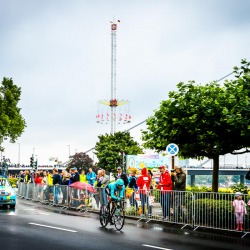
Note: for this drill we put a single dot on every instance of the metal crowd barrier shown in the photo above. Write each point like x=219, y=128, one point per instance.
x=209, y=210
x=215, y=210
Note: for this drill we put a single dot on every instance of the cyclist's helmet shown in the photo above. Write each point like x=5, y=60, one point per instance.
x=119, y=182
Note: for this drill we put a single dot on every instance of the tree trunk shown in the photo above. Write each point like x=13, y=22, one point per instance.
x=215, y=181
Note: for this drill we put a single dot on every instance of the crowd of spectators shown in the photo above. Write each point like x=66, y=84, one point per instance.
x=142, y=184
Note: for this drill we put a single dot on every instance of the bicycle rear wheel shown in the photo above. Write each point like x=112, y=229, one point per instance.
x=119, y=219
x=104, y=215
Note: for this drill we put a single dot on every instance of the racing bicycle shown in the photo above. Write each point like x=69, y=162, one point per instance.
x=115, y=217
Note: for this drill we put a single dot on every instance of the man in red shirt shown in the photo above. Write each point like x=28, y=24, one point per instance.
x=165, y=186
x=143, y=183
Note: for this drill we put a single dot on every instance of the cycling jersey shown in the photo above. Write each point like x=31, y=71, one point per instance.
x=112, y=188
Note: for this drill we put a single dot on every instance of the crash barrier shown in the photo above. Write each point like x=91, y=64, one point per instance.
x=209, y=210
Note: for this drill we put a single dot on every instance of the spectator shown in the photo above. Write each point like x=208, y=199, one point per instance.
x=122, y=176
x=38, y=179
x=97, y=196
x=91, y=177
x=143, y=183
x=152, y=178
x=49, y=191
x=165, y=185
x=39, y=184
x=41, y=172
x=64, y=187
x=132, y=184
x=102, y=184
x=27, y=177
x=56, y=182
x=83, y=177
x=239, y=208
x=21, y=177
x=178, y=177
x=74, y=175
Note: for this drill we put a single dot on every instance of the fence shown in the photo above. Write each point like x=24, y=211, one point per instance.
x=209, y=210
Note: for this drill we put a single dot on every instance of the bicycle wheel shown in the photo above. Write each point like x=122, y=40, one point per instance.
x=104, y=216
x=119, y=218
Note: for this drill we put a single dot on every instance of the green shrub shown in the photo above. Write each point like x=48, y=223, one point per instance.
x=12, y=181
x=214, y=213
x=198, y=189
x=240, y=188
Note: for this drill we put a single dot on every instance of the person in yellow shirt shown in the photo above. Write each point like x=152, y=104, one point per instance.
x=50, y=185
x=83, y=177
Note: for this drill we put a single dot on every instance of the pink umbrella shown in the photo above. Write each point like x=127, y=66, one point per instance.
x=83, y=186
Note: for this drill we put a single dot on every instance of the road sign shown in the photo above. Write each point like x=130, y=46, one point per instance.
x=172, y=149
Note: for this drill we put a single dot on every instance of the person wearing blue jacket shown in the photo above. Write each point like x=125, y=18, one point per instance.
x=91, y=177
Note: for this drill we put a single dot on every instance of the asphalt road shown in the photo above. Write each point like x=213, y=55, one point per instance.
x=35, y=226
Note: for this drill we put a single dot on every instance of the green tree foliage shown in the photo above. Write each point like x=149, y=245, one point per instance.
x=110, y=149
x=81, y=161
x=204, y=120
x=12, y=123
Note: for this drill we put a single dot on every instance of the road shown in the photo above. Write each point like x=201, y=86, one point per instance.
x=35, y=226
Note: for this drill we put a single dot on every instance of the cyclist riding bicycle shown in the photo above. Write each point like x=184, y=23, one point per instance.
x=116, y=191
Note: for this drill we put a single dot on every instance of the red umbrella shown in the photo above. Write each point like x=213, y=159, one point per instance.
x=83, y=186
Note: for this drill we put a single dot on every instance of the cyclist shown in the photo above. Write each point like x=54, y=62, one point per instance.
x=115, y=189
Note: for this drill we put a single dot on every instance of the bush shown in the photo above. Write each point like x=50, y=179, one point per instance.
x=198, y=189
x=12, y=181
x=240, y=188
x=214, y=213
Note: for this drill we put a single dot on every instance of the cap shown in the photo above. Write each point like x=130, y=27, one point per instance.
x=74, y=168
x=119, y=168
x=238, y=194
x=161, y=167
x=177, y=166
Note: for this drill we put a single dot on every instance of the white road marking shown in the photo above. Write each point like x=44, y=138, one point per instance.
x=156, y=247
x=58, y=228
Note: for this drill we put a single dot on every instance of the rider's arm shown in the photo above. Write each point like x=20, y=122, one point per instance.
x=122, y=192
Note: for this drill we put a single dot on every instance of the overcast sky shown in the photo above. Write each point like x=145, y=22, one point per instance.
x=59, y=53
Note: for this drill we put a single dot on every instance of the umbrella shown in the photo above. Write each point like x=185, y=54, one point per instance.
x=83, y=186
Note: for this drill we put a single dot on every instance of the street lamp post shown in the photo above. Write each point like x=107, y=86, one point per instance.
x=69, y=150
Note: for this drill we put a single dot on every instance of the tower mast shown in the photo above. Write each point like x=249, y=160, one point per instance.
x=113, y=100
x=113, y=103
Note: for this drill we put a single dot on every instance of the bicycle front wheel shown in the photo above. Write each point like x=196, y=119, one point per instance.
x=119, y=219
x=104, y=216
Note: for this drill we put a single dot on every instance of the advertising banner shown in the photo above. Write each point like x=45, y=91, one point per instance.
x=149, y=161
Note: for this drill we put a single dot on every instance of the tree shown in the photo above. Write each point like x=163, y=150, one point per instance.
x=81, y=161
x=12, y=123
x=204, y=120
x=111, y=149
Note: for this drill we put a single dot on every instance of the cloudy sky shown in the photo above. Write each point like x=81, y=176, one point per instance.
x=59, y=53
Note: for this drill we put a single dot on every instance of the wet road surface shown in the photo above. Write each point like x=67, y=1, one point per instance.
x=35, y=226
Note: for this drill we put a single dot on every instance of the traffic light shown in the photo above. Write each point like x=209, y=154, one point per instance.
x=35, y=165
x=31, y=161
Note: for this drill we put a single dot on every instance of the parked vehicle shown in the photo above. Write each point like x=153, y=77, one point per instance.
x=7, y=193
